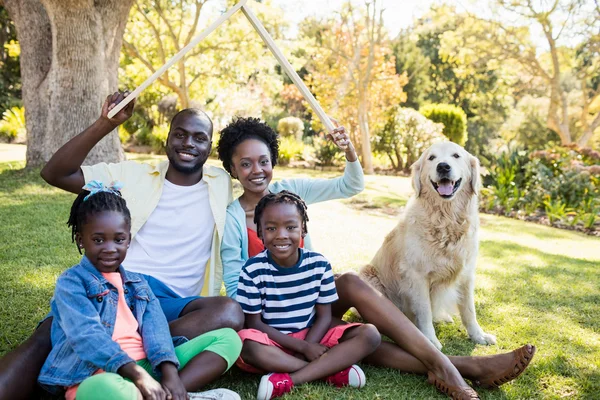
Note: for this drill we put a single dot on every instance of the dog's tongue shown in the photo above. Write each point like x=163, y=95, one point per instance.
x=445, y=188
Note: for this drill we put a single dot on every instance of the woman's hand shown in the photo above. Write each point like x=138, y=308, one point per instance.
x=312, y=351
x=341, y=139
x=171, y=383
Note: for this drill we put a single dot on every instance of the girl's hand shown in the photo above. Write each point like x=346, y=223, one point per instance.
x=149, y=387
x=341, y=139
x=312, y=351
x=171, y=383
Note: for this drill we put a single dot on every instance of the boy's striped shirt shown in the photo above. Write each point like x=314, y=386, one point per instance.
x=286, y=297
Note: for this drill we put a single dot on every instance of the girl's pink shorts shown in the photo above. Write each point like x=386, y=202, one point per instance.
x=330, y=339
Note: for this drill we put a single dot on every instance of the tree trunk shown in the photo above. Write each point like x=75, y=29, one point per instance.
x=363, y=124
x=69, y=64
x=35, y=38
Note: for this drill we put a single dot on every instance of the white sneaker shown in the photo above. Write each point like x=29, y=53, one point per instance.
x=215, y=394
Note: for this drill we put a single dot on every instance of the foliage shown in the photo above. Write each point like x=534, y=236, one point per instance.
x=451, y=117
x=527, y=125
x=10, y=69
x=352, y=71
x=482, y=88
x=289, y=149
x=562, y=73
x=292, y=127
x=228, y=73
x=12, y=126
x=564, y=182
x=406, y=134
x=411, y=60
x=326, y=152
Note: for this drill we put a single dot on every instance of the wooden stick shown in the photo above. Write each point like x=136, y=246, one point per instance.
x=175, y=58
x=289, y=70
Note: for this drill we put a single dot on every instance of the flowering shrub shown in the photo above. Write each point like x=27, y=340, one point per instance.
x=562, y=182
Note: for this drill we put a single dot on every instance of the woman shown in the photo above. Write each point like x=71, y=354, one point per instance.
x=248, y=149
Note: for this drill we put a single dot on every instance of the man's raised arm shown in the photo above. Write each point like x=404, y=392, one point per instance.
x=63, y=170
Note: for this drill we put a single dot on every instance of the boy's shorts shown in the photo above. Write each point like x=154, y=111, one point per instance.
x=171, y=303
x=331, y=338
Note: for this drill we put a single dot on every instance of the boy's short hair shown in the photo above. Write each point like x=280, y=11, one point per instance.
x=287, y=197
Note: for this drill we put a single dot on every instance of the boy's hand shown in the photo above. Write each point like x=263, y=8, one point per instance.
x=312, y=351
x=172, y=384
x=111, y=102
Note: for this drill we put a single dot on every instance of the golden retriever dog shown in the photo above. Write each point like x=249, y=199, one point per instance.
x=426, y=265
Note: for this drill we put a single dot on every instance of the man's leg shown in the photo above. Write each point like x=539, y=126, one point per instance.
x=19, y=369
x=207, y=314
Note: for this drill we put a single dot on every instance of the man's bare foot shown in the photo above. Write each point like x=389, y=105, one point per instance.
x=496, y=370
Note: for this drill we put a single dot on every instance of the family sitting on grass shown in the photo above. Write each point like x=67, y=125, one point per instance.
x=140, y=316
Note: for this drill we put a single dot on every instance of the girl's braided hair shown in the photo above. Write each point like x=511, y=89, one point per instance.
x=286, y=197
x=99, y=202
x=241, y=129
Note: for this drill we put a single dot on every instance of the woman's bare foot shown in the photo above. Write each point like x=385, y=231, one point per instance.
x=449, y=374
x=493, y=371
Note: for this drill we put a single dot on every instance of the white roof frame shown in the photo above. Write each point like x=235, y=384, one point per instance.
x=254, y=21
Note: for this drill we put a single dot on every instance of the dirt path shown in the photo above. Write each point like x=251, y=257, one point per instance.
x=12, y=152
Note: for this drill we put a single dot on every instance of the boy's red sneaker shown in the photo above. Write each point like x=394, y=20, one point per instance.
x=351, y=376
x=274, y=385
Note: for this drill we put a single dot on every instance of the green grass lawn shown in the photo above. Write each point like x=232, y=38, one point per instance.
x=534, y=285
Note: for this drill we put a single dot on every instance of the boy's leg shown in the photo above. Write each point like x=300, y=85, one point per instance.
x=356, y=343
x=107, y=386
x=270, y=358
x=19, y=369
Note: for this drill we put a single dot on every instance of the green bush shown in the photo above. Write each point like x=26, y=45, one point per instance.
x=405, y=136
x=158, y=137
x=291, y=126
x=289, y=149
x=453, y=118
x=326, y=152
x=12, y=126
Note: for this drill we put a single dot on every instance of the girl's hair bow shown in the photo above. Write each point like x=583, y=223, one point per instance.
x=96, y=187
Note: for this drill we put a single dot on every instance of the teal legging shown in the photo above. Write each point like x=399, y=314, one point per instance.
x=223, y=342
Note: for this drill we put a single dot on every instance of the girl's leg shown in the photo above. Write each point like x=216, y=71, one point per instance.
x=390, y=321
x=206, y=357
x=107, y=386
x=355, y=344
x=270, y=358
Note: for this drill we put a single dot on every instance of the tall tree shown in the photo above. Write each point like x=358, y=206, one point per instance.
x=233, y=56
x=562, y=22
x=69, y=62
x=352, y=70
x=10, y=75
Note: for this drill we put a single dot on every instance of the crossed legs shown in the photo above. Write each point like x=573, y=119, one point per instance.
x=411, y=350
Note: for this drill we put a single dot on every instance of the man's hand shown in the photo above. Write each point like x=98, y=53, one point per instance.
x=171, y=383
x=312, y=351
x=111, y=102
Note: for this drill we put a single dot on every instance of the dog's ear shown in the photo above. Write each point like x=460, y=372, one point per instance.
x=475, y=174
x=416, y=175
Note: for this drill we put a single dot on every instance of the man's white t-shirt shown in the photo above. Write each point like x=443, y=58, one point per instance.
x=175, y=242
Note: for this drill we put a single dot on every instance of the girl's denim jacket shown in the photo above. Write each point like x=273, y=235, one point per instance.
x=84, y=308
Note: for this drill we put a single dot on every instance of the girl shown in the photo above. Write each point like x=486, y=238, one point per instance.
x=286, y=294
x=110, y=337
x=248, y=149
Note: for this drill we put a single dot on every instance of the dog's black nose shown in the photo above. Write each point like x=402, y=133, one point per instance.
x=443, y=168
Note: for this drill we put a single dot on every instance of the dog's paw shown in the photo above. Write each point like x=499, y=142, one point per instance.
x=484, y=338
x=436, y=342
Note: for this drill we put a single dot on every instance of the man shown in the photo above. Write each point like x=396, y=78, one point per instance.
x=178, y=213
